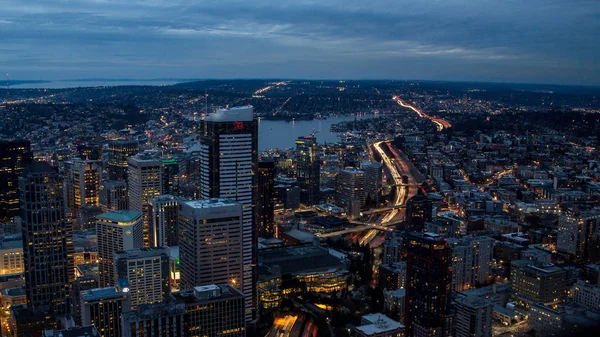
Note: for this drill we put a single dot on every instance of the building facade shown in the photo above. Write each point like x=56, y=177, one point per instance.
x=163, y=221
x=118, y=153
x=308, y=169
x=14, y=158
x=265, y=203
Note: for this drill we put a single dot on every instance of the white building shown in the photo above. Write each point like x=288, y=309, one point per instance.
x=379, y=325
x=574, y=231
x=144, y=182
x=116, y=231
x=587, y=294
x=211, y=243
x=472, y=261
x=350, y=187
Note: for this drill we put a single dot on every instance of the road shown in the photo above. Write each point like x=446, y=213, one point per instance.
x=440, y=123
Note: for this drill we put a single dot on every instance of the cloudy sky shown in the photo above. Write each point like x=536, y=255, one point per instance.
x=537, y=41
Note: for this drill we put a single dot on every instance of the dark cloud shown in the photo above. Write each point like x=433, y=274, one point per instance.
x=525, y=41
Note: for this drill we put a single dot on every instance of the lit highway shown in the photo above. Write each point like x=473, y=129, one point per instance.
x=440, y=123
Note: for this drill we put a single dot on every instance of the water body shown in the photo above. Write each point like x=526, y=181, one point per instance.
x=283, y=134
x=62, y=84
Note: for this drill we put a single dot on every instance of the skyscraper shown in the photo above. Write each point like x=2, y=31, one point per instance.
x=47, y=239
x=471, y=261
x=308, y=169
x=350, y=187
x=144, y=182
x=211, y=243
x=171, y=175
x=576, y=234
x=373, y=178
x=14, y=158
x=427, y=285
x=83, y=182
x=113, y=195
x=118, y=153
x=146, y=272
x=117, y=231
x=418, y=211
x=163, y=223
x=229, y=145
x=265, y=204
x=102, y=308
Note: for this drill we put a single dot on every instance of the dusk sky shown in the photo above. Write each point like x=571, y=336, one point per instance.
x=536, y=41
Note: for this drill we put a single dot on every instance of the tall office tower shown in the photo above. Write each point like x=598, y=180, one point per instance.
x=82, y=283
x=350, y=187
x=90, y=152
x=427, y=285
x=308, y=169
x=144, y=182
x=102, y=308
x=214, y=310
x=146, y=272
x=171, y=175
x=471, y=262
x=118, y=153
x=157, y=320
x=211, y=243
x=229, y=146
x=83, y=182
x=418, y=211
x=265, y=203
x=576, y=234
x=116, y=231
x=473, y=316
x=47, y=239
x=14, y=158
x=163, y=221
x=113, y=195
x=373, y=178
x=537, y=282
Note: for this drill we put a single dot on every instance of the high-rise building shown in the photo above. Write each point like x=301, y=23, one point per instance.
x=146, y=273
x=157, y=320
x=102, y=308
x=229, y=145
x=471, y=261
x=118, y=153
x=418, y=211
x=576, y=234
x=473, y=316
x=211, y=243
x=113, y=195
x=144, y=183
x=350, y=187
x=14, y=158
x=171, y=175
x=427, y=285
x=82, y=283
x=47, y=239
x=83, y=184
x=265, y=203
x=373, y=178
x=534, y=282
x=90, y=152
x=308, y=169
x=213, y=310
x=117, y=231
x=163, y=221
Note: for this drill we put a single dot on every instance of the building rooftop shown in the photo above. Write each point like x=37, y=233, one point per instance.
x=296, y=260
x=206, y=292
x=233, y=114
x=142, y=252
x=84, y=331
x=98, y=294
x=474, y=302
x=379, y=323
x=120, y=216
x=210, y=203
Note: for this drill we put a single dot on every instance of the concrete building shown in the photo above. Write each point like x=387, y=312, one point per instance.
x=587, y=295
x=229, y=156
x=11, y=255
x=158, y=320
x=144, y=182
x=113, y=195
x=82, y=184
x=562, y=320
x=379, y=325
x=350, y=186
x=575, y=234
x=211, y=249
x=117, y=231
x=373, y=178
x=308, y=169
x=473, y=317
x=471, y=261
x=395, y=304
x=265, y=208
x=535, y=282
x=118, y=153
x=146, y=272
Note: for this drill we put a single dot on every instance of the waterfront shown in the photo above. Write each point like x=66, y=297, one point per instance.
x=283, y=134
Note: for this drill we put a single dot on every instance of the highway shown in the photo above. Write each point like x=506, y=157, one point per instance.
x=440, y=123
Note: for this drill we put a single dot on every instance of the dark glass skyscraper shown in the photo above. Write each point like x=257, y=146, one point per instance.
x=14, y=157
x=266, y=199
x=418, y=211
x=229, y=156
x=308, y=169
x=428, y=280
x=118, y=153
x=47, y=239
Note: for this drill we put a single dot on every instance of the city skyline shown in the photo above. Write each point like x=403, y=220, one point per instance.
x=533, y=42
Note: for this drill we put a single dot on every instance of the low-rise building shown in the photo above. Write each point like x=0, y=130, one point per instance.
x=379, y=325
